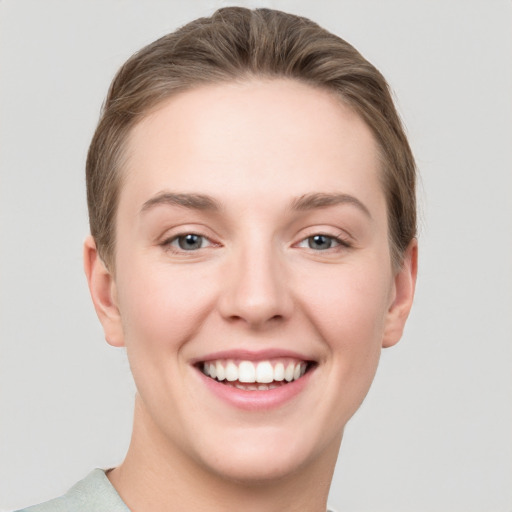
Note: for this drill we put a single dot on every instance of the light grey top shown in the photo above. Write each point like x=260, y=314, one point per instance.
x=94, y=493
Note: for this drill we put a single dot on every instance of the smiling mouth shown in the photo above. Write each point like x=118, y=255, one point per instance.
x=256, y=376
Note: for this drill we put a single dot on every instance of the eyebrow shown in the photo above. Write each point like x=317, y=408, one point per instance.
x=191, y=201
x=204, y=202
x=323, y=200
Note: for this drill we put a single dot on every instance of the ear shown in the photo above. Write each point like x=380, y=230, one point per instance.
x=103, y=293
x=402, y=296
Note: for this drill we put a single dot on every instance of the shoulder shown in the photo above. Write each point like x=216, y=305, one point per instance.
x=91, y=494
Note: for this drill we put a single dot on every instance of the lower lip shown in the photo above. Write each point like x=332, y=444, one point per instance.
x=257, y=400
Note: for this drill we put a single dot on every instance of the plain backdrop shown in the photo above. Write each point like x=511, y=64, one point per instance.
x=435, y=432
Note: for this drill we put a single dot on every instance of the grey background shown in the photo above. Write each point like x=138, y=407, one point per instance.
x=435, y=431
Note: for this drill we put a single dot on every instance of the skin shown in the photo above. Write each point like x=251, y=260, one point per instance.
x=254, y=148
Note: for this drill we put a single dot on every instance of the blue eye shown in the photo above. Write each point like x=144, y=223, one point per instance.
x=321, y=242
x=189, y=242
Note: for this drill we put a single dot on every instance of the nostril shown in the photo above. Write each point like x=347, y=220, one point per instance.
x=256, y=319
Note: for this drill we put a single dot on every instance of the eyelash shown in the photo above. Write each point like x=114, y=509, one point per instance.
x=168, y=244
x=341, y=243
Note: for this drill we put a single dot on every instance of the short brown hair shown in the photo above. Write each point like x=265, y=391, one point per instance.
x=236, y=43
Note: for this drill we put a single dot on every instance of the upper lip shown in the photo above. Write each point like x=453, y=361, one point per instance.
x=252, y=355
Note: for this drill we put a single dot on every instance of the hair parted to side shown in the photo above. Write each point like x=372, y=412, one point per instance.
x=236, y=43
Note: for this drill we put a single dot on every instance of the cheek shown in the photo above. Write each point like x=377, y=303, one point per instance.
x=162, y=307
x=350, y=293
x=348, y=307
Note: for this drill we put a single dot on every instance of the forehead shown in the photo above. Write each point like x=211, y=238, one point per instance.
x=263, y=137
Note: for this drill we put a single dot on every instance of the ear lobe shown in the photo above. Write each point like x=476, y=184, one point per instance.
x=103, y=293
x=404, y=285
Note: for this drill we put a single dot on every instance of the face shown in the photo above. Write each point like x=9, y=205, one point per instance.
x=253, y=284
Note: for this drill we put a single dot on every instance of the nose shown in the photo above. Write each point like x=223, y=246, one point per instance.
x=256, y=290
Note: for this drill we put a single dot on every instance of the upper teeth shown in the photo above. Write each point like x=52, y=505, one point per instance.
x=263, y=372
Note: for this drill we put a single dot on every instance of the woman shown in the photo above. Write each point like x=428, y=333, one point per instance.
x=251, y=199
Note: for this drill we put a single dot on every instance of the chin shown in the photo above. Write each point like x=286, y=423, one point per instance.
x=258, y=469
x=270, y=456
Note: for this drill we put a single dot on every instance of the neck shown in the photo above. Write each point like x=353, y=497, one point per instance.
x=158, y=476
